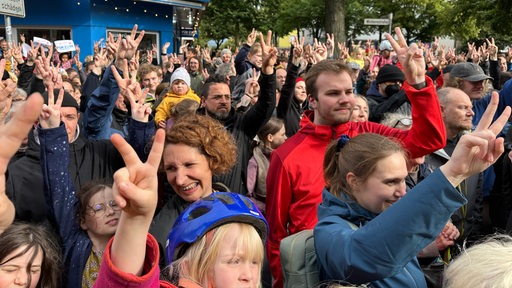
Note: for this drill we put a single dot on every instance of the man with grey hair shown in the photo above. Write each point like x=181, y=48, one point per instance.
x=457, y=112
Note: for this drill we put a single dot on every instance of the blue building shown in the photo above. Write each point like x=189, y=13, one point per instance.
x=87, y=21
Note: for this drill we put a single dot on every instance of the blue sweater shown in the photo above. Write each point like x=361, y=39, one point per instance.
x=383, y=250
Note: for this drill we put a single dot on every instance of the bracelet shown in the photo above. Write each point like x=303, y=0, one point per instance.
x=164, y=54
x=420, y=86
x=247, y=94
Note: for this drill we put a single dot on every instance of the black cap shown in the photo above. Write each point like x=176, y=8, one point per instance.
x=389, y=73
x=67, y=101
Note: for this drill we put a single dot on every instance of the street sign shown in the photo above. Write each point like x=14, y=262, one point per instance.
x=14, y=8
x=376, y=21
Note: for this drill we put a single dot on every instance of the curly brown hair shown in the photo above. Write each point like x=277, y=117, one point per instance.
x=209, y=137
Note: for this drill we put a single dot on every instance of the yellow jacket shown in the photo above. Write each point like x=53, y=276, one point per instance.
x=170, y=99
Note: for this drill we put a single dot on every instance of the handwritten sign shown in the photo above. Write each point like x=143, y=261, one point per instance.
x=64, y=46
x=14, y=8
x=44, y=43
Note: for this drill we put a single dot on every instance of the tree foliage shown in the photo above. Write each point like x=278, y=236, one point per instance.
x=420, y=19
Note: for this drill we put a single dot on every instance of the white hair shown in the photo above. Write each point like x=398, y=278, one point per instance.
x=487, y=264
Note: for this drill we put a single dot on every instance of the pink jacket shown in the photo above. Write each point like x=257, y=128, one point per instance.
x=110, y=276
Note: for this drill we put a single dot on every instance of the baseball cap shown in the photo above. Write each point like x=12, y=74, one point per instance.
x=468, y=71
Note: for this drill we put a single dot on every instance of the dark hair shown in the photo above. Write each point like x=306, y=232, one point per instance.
x=325, y=66
x=359, y=156
x=271, y=127
x=41, y=240
x=214, y=79
x=209, y=137
x=86, y=193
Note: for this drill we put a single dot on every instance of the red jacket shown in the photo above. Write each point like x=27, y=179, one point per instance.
x=295, y=176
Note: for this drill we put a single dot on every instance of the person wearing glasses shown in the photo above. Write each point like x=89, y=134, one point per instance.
x=85, y=217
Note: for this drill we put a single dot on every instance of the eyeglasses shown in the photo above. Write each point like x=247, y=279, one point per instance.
x=99, y=209
x=404, y=122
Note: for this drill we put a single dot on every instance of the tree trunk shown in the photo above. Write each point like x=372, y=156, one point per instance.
x=335, y=21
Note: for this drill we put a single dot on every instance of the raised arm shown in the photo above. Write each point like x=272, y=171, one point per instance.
x=58, y=187
x=135, y=191
x=428, y=132
x=12, y=134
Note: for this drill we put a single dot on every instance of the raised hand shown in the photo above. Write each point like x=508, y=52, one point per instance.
x=135, y=185
x=127, y=47
x=251, y=37
x=50, y=114
x=96, y=47
x=12, y=134
x=16, y=52
x=329, y=44
x=165, y=47
x=135, y=190
x=320, y=51
x=492, y=50
x=183, y=48
x=298, y=50
x=266, y=44
x=411, y=58
x=32, y=53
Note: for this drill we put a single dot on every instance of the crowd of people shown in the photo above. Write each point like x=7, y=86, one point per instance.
x=190, y=170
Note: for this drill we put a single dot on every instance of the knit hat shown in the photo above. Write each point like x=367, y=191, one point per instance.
x=385, y=45
x=181, y=74
x=389, y=73
x=67, y=101
x=299, y=79
x=468, y=71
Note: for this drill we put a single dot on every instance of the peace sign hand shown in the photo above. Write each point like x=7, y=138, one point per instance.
x=50, y=114
x=411, y=58
x=135, y=186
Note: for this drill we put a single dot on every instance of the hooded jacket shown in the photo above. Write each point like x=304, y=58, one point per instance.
x=295, y=177
x=383, y=250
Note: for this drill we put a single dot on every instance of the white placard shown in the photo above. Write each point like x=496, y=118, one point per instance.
x=64, y=46
x=14, y=8
x=24, y=49
x=44, y=43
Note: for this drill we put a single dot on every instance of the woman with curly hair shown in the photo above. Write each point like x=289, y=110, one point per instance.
x=196, y=148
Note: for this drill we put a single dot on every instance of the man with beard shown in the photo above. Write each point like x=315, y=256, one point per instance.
x=385, y=94
x=216, y=102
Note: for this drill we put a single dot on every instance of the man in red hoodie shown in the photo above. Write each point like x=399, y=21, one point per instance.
x=295, y=180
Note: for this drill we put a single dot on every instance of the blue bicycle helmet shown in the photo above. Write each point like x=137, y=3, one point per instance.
x=208, y=213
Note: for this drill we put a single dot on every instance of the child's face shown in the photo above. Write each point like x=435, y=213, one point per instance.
x=64, y=57
x=232, y=268
x=179, y=87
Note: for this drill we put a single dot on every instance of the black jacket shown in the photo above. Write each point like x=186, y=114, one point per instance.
x=88, y=160
x=243, y=127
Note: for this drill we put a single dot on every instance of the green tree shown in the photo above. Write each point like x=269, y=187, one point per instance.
x=300, y=14
x=225, y=18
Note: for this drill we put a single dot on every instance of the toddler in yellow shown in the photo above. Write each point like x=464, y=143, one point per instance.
x=180, y=89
